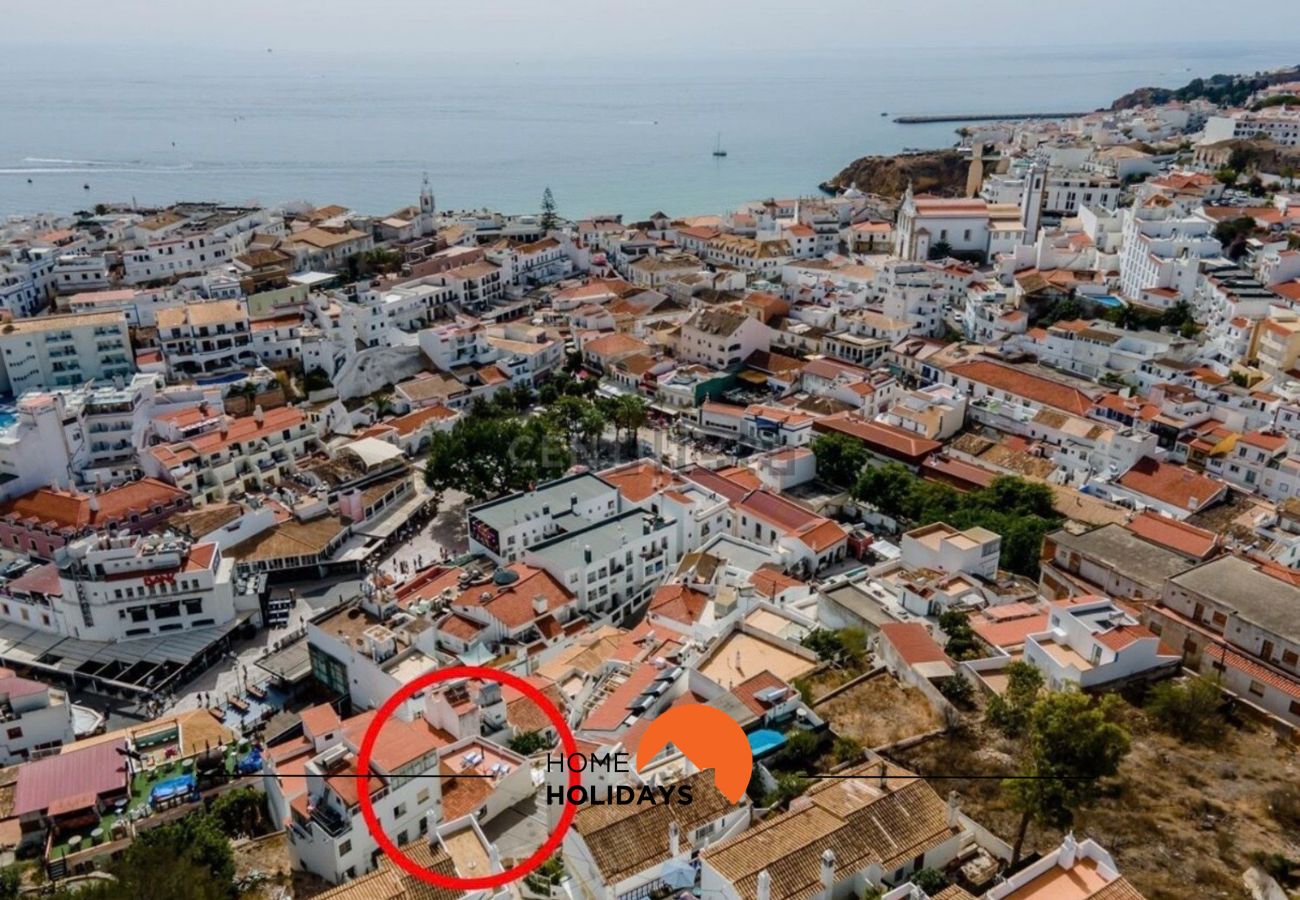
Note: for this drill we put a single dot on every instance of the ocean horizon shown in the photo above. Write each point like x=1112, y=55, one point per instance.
x=606, y=135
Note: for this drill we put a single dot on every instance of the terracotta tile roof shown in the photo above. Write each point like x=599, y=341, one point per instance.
x=460, y=627
x=1121, y=636
x=1188, y=540
x=320, y=720
x=679, y=603
x=1270, y=441
x=771, y=581
x=1009, y=632
x=748, y=690
x=615, y=344
x=1025, y=384
x=615, y=708
x=421, y=417
x=626, y=840
x=913, y=643
x=640, y=480
x=398, y=742
x=897, y=443
x=512, y=604
x=75, y=510
x=1173, y=484
x=859, y=820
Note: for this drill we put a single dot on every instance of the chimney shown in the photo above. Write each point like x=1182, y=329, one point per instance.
x=1069, y=850
x=884, y=770
x=764, y=886
x=586, y=552
x=828, y=870
x=258, y=415
x=539, y=604
x=954, y=808
x=674, y=840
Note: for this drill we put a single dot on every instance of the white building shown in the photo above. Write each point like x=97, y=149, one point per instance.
x=63, y=351
x=721, y=337
x=925, y=222
x=35, y=719
x=1092, y=642
x=1163, y=249
x=116, y=588
x=206, y=338
x=1281, y=124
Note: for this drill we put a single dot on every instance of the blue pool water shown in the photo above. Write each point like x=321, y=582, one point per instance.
x=221, y=379
x=765, y=740
x=170, y=788
x=1106, y=300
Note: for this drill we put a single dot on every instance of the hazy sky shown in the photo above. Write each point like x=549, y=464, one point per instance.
x=568, y=28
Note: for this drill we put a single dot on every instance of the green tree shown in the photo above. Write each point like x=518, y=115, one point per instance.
x=957, y=690
x=1010, y=711
x=529, y=742
x=839, y=458
x=1227, y=176
x=630, y=414
x=189, y=859
x=940, y=250
x=240, y=813
x=566, y=415
x=1232, y=234
x=888, y=488
x=962, y=643
x=788, y=786
x=549, y=218
x=1071, y=744
x=930, y=880
x=10, y=880
x=486, y=454
x=1018, y=510
x=1188, y=710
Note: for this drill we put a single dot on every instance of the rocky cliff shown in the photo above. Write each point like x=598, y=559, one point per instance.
x=931, y=172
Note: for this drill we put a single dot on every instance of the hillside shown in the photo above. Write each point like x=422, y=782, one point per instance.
x=1223, y=90
x=933, y=172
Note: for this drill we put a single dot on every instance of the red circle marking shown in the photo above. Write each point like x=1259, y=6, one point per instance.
x=386, y=711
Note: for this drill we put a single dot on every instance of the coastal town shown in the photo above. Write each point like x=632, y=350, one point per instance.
x=973, y=499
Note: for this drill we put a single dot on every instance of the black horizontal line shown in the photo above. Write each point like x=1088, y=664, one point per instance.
x=358, y=775
x=956, y=777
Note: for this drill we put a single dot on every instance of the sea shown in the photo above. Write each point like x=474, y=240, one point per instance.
x=613, y=135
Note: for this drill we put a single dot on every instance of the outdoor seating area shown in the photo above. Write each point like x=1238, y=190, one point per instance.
x=160, y=783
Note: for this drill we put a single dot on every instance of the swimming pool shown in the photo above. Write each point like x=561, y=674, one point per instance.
x=229, y=378
x=765, y=740
x=1105, y=300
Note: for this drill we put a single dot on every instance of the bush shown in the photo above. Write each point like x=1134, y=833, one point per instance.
x=788, y=786
x=1284, y=806
x=930, y=880
x=962, y=643
x=241, y=812
x=846, y=750
x=528, y=743
x=957, y=691
x=1188, y=710
x=1009, y=712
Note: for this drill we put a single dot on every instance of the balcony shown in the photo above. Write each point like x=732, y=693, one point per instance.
x=330, y=820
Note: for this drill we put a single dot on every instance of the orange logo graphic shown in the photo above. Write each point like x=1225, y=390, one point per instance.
x=710, y=738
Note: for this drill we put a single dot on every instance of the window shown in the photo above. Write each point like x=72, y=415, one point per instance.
x=345, y=848
x=398, y=811
x=14, y=733
x=1256, y=688
x=422, y=797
